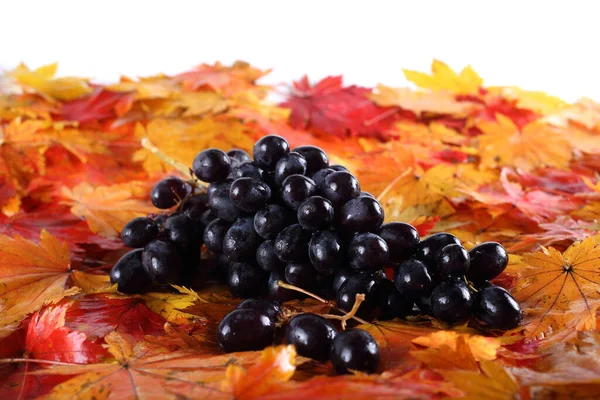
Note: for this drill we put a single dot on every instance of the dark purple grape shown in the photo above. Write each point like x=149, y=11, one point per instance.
x=139, y=232
x=195, y=206
x=245, y=330
x=316, y=158
x=249, y=194
x=221, y=270
x=453, y=260
x=354, y=350
x=361, y=214
x=268, y=150
x=366, y=194
x=340, y=187
x=206, y=217
x=290, y=164
x=366, y=284
x=319, y=177
x=169, y=192
x=245, y=280
x=271, y=309
x=223, y=207
x=488, y=260
x=180, y=230
x=218, y=186
x=496, y=308
x=429, y=248
x=269, y=221
x=367, y=252
x=451, y=302
x=423, y=303
x=241, y=240
x=340, y=276
x=295, y=189
x=214, y=234
x=325, y=252
x=412, y=279
x=129, y=273
x=266, y=258
x=291, y=244
x=301, y=275
x=211, y=165
x=246, y=170
x=276, y=292
x=392, y=303
x=402, y=239
x=238, y=155
x=161, y=262
x=315, y=213
x=338, y=168
x=312, y=335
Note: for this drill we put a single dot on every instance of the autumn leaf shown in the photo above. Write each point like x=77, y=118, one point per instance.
x=482, y=347
x=556, y=290
x=99, y=105
x=108, y=208
x=444, y=357
x=171, y=305
x=42, y=81
x=493, y=382
x=444, y=78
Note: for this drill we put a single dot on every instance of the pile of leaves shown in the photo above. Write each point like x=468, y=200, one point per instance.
x=78, y=159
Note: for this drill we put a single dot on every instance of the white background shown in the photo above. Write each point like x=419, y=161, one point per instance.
x=550, y=46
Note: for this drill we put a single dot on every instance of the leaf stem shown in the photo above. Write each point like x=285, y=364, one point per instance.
x=151, y=147
x=18, y=360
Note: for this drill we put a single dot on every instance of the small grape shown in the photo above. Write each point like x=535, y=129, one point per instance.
x=366, y=194
x=195, y=206
x=291, y=244
x=316, y=158
x=341, y=276
x=246, y=280
x=312, y=335
x=453, y=260
x=402, y=239
x=266, y=258
x=246, y=170
x=241, y=240
x=290, y=164
x=268, y=150
x=319, y=177
x=367, y=252
x=245, y=330
x=361, y=214
x=223, y=207
x=238, y=155
x=276, y=292
x=301, y=275
x=366, y=284
x=315, y=213
x=161, y=262
x=340, y=187
x=451, y=302
x=214, y=234
x=412, y=278
x=338, y=168
x=180, y=230
x=139, y=232
x=488, y=260
x=354, y=350
x=325, y=252
x=249, y=194
x=269, y=221
x=169, y=192
x=129, y=273
x=429, y=247
x=496, y=308
x=211, y=165
x=269, y=308
x=218, y=186
x=295, y=189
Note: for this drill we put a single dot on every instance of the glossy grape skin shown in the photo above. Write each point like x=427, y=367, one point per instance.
x=245, y=330
x=207, y=217
x=161, y=262
x=211, y=165
x=312, y=335
x=195, y=206
x=238, y=156
x=214, y=234
x=295, y=189
x=361, y=214
x=218, y=186
x=412, y=278
x=249, y=194
x=241, y=240
x=315, y=213
x=301, y=275
x=180, y=231
x=266, y=258
x=246, y=170
x=495, y=308
x=325, y=251
x=429, y=248
x=354, y=349
x=268, y=150
x=245, y=280
x=290, y=164
x=316, y=158
x=488, y=260
x=169, y=192
x=129, y=273
x=340, y=276
x=366, y=284
x=271, y=309
x=291, y=244
x=367, y=252
x=223, y=207
x=453, y=260
x=402, y=239
x=366, y=194
x=269, y=221
x=319, y=177
x=276, y=292
x=451, y=302
x=338, y=168
x=392, y=303
x=139, y=232
x=340, y=187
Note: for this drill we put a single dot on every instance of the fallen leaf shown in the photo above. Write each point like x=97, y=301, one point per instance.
x=444, y=78
x=42, y=81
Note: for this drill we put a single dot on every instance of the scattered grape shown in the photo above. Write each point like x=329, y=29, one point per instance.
x=488, y=260
x=496, y=308
x=356, y=350
x=245, y=330
x=312, y=335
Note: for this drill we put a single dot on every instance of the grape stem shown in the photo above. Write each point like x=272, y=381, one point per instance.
x=470, y=285
x=350, y=314
x=343, y=318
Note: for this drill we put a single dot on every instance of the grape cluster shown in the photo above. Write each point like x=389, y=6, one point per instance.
x=253, y=325
x=287, y=215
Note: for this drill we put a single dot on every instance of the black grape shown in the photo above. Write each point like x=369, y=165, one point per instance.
x=290, y=164
x=340, y=187
x=249, y=194
x=266, y=258
x=402, y=240
x=451, y=302
x=169, y=192
x=316, y=158
x=269, y=221
x=214, y=234
x=312, y=335
x=129, y=273
x=488, y=260
x=361, y=214
x=245, y=330
x=161, y=262
x=496, y=308
x=367, y=252
x=268, y=150
x=139, y=232
x=295, y=189
x=315, y=213
x=241, y=240
x=291, y=244
x=245, y=280
x=354, y=350
x=325, y=251
x=211, y=165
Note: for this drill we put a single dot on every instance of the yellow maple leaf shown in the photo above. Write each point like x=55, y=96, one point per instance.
x=439, y=102
x=531, y=100
x=535, y=145
x=108, y=208
x=171, y=305
x=444, y=78
x=43, y=82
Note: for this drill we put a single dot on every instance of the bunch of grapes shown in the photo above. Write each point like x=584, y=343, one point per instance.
x=288, y=216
